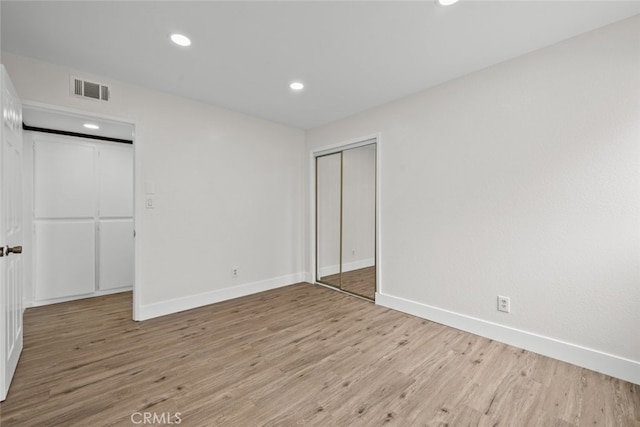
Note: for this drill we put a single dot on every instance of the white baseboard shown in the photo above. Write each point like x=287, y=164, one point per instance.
x=38, y=303
x=163, y=308
x=349, y=266
x=625, y=369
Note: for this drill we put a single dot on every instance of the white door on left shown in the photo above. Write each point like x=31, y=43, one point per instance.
x=11, y=266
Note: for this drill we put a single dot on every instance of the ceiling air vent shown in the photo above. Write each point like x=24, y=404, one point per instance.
x=87, y=89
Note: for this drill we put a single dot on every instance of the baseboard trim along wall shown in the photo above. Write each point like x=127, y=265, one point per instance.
x=595, y=360
x=163, y=308
x=41, y=302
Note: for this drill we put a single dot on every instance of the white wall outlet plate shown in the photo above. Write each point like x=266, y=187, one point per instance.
x=504, y=304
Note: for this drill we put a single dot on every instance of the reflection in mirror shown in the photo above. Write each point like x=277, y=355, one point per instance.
x=358, y=220
x=328, y=207
x=346, y=220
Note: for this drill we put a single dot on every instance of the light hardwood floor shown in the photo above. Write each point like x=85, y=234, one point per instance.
x=299, y=355
x=361, y=282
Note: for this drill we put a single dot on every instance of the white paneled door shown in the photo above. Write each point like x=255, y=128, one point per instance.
x=11, y=267
x=115, y=220
x=65, y=256
x=65, y=206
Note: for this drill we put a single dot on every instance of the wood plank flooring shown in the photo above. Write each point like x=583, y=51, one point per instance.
x=299, y=355
x=361, y=282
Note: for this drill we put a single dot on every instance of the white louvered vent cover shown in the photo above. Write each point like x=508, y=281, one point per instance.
x=87, y=89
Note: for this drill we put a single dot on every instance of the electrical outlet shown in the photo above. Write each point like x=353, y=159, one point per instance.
x=504, y=304
x=234, y=272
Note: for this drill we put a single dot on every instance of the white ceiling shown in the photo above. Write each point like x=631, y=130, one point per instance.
x=352, y=55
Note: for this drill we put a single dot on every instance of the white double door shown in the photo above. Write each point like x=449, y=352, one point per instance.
x=11, y=232
x=83, y=216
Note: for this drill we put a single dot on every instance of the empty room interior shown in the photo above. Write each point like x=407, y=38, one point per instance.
x=326, y=213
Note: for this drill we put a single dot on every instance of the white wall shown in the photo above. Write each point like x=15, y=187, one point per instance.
x=228, y=190
x=519, y=180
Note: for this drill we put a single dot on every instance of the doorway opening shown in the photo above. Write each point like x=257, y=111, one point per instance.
x=79, y=188
x=345, y=218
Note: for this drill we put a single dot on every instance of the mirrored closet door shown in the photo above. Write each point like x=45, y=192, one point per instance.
x=346, y=220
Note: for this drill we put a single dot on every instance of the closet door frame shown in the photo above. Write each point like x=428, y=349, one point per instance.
x=332, y=149
x=138, y=182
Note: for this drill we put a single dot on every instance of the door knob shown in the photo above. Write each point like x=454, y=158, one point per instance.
x=15, y=250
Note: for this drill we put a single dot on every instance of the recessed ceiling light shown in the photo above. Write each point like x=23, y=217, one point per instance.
x=91, y=126
x=180, y=40
x=446, y=2
x=296, y=86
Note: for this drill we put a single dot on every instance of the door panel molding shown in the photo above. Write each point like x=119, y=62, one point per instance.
x=11, y=232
